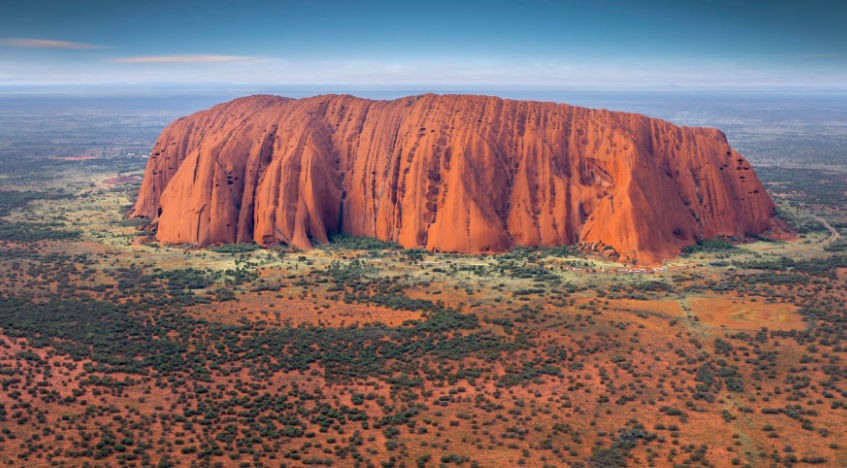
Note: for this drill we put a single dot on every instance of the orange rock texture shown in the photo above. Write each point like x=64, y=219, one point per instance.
x=449, y=173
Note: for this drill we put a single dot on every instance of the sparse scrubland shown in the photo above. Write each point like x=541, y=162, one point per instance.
x=119, y=351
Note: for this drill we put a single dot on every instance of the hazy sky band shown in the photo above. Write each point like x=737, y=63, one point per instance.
x=493, y=42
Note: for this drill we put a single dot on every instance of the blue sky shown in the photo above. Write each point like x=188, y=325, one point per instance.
x=496, y=43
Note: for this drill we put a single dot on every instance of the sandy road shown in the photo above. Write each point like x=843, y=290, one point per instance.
x=834, y=234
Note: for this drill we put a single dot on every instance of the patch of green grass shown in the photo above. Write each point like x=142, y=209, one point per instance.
x=34, y=232
x=14, y=199
x=234, y=248
x=348, y=242
x=710, y=245
x=838, y=246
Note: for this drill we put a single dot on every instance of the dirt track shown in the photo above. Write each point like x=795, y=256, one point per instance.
x=835, y=235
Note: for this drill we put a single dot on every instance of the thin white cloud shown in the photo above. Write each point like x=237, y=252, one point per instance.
x=426, y=73
x=189, y=59
x=47, y=44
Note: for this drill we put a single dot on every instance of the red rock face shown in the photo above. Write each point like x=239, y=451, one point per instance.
x=452, y=173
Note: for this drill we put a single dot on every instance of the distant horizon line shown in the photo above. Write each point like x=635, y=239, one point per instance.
x=417, y=87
